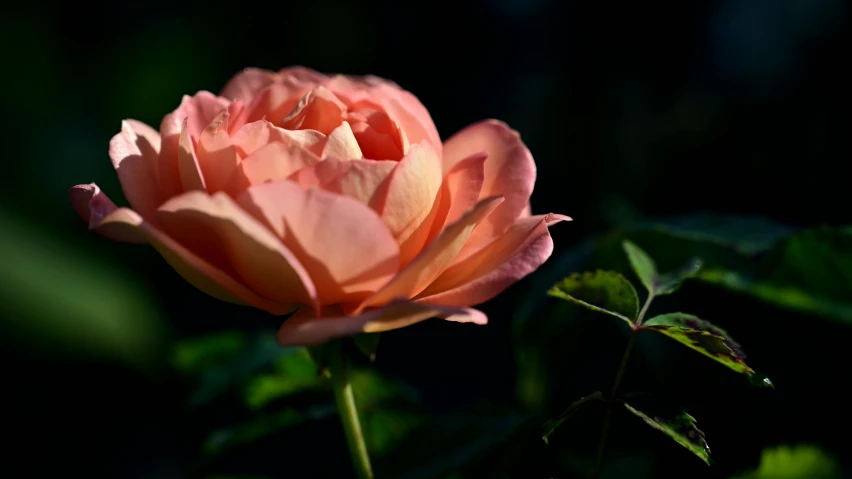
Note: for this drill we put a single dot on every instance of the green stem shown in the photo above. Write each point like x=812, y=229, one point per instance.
x=348, y=412
x=617, y=382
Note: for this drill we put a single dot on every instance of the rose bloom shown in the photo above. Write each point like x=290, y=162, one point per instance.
x=329, y=195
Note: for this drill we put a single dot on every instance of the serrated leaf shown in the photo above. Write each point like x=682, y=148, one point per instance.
x=368, y=343
x=552, y=424
x=680, y=427
x=642, y=264
x=603, y=291
x=702, y=336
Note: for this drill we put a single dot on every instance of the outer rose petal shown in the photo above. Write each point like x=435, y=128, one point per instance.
x=412, y=191
x=199, y=110
x=460, y=190
x=134, y=153
x=345, y=247
x=432, y=261
x=522, y=249
x=306, y=329
x=509, y=171
x=125, y=224
x=226, y=236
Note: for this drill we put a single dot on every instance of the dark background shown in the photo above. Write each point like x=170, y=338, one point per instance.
x=631, y=111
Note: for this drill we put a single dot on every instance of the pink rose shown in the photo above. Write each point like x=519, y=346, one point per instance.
x=333, y=195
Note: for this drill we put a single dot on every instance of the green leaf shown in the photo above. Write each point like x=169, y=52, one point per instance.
x=796, y=462
x=368, y=343
x=668, y=283
x=745, y=234
x=642, y=264
x=702, y=336
x=809, y=272
x=656, y=283
x=680, y=427
x=552, y=424
x=294, y=372
x=603, y=291
x=224, y=360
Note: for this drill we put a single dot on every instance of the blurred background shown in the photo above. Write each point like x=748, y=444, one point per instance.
x=714, y=129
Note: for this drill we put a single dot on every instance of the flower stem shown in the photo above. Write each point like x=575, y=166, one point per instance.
x=348, y=412
x=617, y=382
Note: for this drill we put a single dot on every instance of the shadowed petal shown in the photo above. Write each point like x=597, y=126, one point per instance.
x=342, y=243
x=432, y=261
x=482, y=276
x=134, y=153
x=217, y=155
x=228, y=237
x=305, y=329
x=124, y=224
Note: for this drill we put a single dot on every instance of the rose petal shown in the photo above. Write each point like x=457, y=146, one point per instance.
x=229, y=238
x=217, y=155
x=412, y=191
x=460, y=190
x=134, y=153
x=318, y=110
x=254, y=135
x=364, y=180
x=306, y=329
x=342, y=144
x=432, y=261
x=124, y=224
x=92, y=205
x=198, y=111
x=401, y=106
x=509, y=171
x=188, y=167
x=245, y=85
x=375, y=145
x=520, y=251
x=344, y=246
x=271, y=162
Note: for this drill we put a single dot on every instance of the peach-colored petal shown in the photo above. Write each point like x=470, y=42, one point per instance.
x=343, y=244
x=509, y=171
x=306, y=329
x=401, y=106
x=364, y=180
x=318, y=110
x=522, y=249
x=342, y=143
x=253, y=135
x=199, y=110
x=412, y=191
x=376, y=145
x=92, y=205
x=217, y=155
x=245, y=85
x=526, y=212
x=226, y=236
x=269, y=163
x=188, y=167
x=432, y=261
x=134, y=153
x=124, y=224
x=461, y=189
